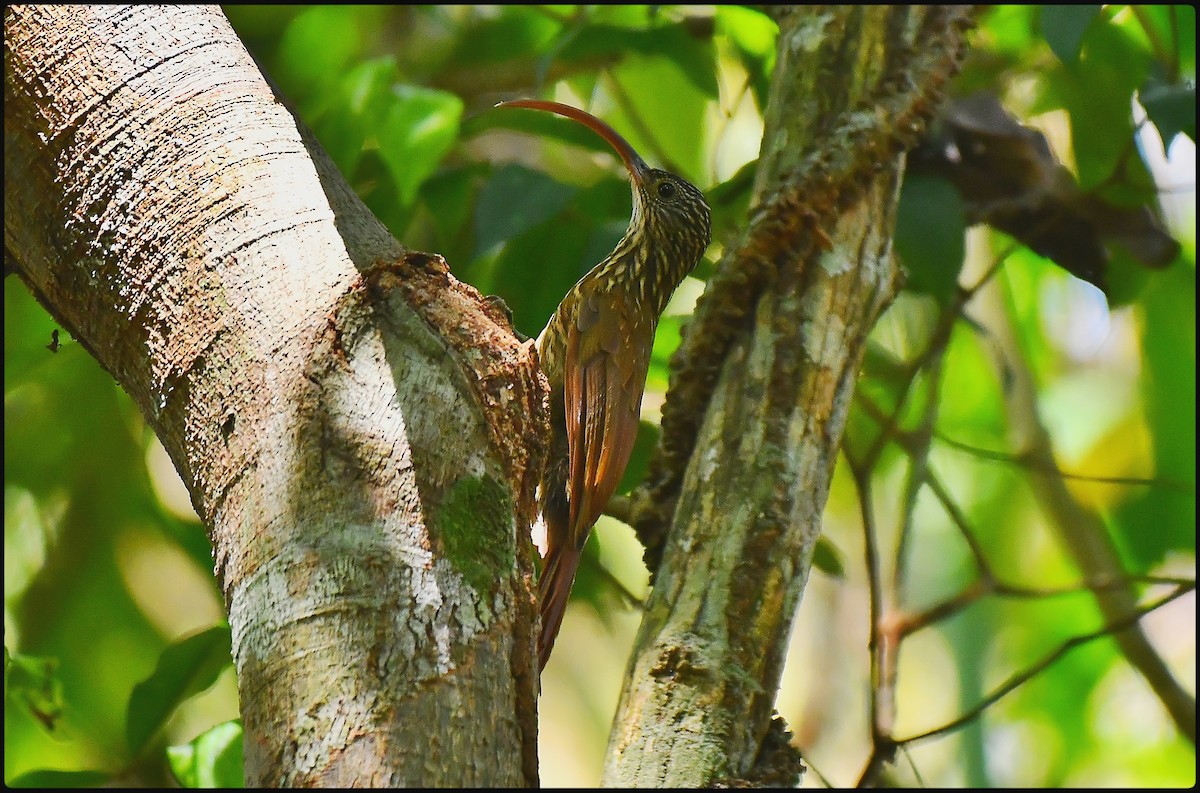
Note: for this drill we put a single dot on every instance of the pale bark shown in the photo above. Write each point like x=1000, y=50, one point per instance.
x=759, y=397
x=356, y=429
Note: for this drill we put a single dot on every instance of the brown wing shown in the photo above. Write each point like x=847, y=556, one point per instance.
x=604, y=373
x=608, y=353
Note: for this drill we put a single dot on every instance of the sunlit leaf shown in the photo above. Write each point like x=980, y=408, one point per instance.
x=753, y=36
x=317, y=46
x=352, y=110
x=676, y=139
x=416, y=131
x=212, y=759
x=1173, y=28
x=693, y=57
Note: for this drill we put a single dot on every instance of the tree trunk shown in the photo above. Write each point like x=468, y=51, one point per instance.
x=760, y=391
x=357, y=429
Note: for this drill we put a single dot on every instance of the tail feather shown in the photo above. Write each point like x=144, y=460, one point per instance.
x=554, y=590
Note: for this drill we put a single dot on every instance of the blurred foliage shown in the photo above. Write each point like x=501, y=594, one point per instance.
x=212, y=760
x=106, y=571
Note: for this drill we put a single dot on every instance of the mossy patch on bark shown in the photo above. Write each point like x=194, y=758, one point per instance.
x=475, y=525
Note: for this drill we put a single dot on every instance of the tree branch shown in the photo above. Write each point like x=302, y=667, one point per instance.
x=356, y=430
x=760, y=388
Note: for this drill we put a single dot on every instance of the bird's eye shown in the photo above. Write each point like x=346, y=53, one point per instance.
x=666, y=190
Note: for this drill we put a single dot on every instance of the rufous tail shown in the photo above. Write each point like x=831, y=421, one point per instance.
x=554, y=588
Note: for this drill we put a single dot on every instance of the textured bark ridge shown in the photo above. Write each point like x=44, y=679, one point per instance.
x=510, y=387
x=814, y=181
x=760, y=391
x=358, y=430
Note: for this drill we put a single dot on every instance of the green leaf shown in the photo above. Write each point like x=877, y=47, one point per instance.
x=828, y=559
x=1126, y=278
x=1008, y=29
x=535, y=269
x=518, y=32
x=212, y=759
x=184, y=669
x=730, y=203
x=53, y=779
x=673, y=113
x=930, y=224
x=1172, y=108
x=316, y=48
x=883, y=383
x=751, y=31
x=695, y=58
x=354, y=109
x=449, y=197
x=666, y=341
x=1063, y=27
x=1170, y=29
x=513, y=201
x=1168, y=381
x=639, y=459
x=417, y=129
x=34, y=683
x=1098, y=95
x=603, y=240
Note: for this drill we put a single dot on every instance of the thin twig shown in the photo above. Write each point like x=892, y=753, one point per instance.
x=920, y=442
x=938, y=340
x=633, y=601
x=881, y=704
x=1029, y=673
x=726, y=120
x=1025, y=461
x=905, y=625
x=874, y=411
x=960, y=521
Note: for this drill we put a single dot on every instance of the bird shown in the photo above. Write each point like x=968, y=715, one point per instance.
x=595, y=353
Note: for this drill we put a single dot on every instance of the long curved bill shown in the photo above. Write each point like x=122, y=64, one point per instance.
x=633, y=162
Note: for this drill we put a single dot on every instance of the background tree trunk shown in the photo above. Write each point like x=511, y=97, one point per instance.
x=758, y=400
x=355, y=427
